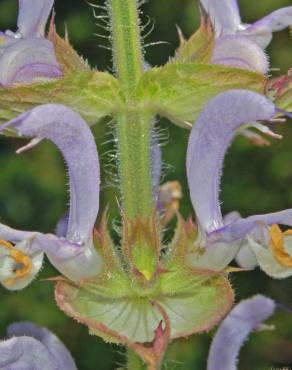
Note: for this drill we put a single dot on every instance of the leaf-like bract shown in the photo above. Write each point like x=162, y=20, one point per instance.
x=180, y=91
x=92, y=94
x=194, y=301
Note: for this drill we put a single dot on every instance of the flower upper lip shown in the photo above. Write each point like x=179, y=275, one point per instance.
x=33, y=347
x=73, y=253
x=225, y=17
x=244, y=318
x=209, y=140
x=25, y=55
x=241, y=45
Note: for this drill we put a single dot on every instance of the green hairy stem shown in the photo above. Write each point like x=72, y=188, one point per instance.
x=133, y=128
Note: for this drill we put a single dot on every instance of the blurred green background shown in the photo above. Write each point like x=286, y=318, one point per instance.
x=33, y=191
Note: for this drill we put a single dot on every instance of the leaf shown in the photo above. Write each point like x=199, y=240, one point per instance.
x=180, y=91
x=116, y=307
x=92, y=94
x=199, y=47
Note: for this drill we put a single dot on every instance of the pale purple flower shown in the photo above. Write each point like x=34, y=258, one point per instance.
x=25, y=55
x=31, y=347
x=219, y=240
x=244, y=318
x=239, y=44
x=74, y=254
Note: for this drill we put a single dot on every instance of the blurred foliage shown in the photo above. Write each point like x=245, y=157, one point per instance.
x=33, y=190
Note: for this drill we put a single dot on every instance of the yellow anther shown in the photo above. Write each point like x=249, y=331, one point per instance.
x=278, y=247
x=5, y=244
x=24, y=261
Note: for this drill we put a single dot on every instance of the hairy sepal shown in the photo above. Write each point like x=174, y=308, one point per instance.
x=199, y=47
x=280, y=90
x=141, y=247
x=67, y=57
x=92, y=94
x=180, y=91
x=185, y=235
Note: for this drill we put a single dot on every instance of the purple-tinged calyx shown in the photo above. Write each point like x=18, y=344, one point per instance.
x=25, y=55
x=244, y=318
x=74, y=254
x=220, y=239
x=33, y=347
x=239, y=44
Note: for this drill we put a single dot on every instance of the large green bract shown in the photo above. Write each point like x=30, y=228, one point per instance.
x=98, y=94
x=193, y=300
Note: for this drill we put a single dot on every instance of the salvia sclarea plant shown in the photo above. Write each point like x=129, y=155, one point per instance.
x=141, y=292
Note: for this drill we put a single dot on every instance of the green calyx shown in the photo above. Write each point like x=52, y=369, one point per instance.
x=136, y=298
x=141, y=248
x=199, y=47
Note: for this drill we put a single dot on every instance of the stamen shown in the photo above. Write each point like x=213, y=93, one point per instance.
x=278, y=120
x=5, y=244
x=21, y=259
x=35, y=141
x=170, y=195
x=278, y=247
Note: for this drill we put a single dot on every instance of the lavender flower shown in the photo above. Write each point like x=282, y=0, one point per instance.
x=25, y=55
x=219, y=240
x=33, y=347
x=239, y=44
x=244, y=318
x=73, y=255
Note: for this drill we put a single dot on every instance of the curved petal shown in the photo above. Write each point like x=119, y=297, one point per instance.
x=59, y=354
x=231, y=217
x=33, y=16
x=75, y=255
x=14, y=236
x=245, y=257
x=233, y=331
x=7, y=39
x=273, y=252
x=24, y=353
x=209, y=140
x=215, y=256
x=28, y=60
x=261, y=31
x=62, y=225
x=240, y=228
x=73, y=260
x=70, y=133
x=239, y=51
x=224, y=15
